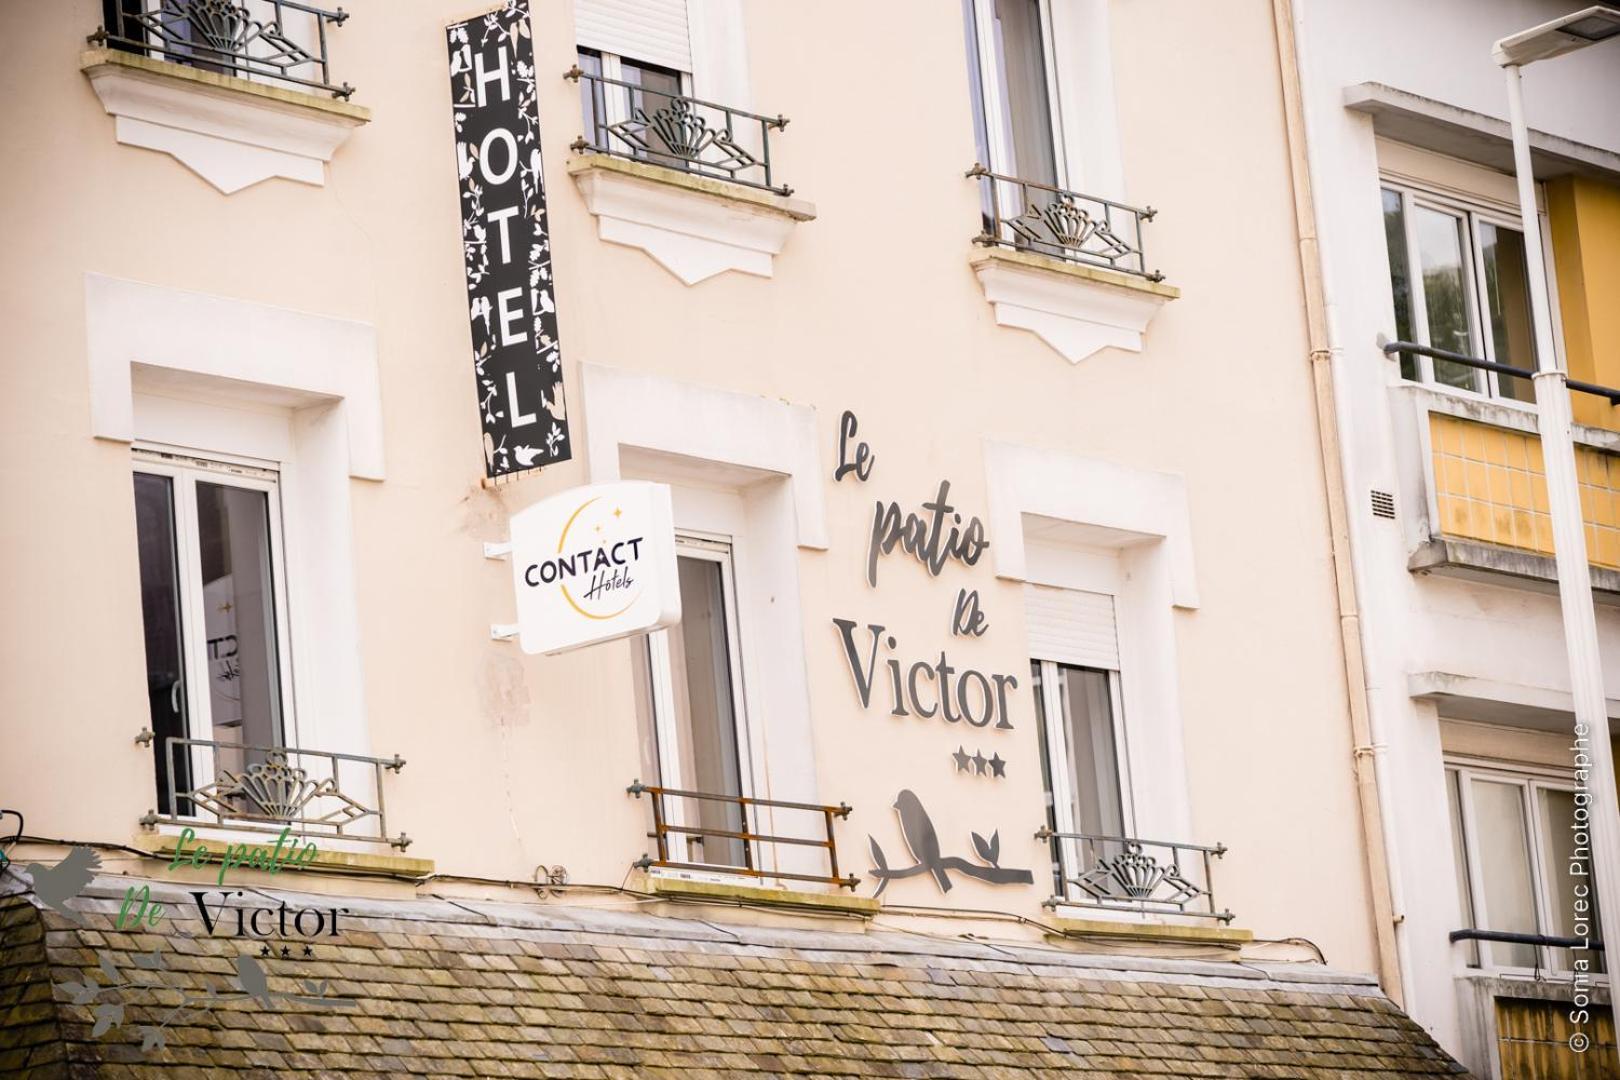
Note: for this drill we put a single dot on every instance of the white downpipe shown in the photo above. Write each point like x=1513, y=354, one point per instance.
x=1385, y=865
x=1569, y=541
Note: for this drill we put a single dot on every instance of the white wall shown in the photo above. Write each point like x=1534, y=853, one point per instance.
x=1438, y=49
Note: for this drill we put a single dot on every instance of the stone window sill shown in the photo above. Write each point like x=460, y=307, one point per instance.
x=1151, y=931
x=231, y=132
x=1076, y=309
x=693, y=226
x=686, y=889
x=327, y=860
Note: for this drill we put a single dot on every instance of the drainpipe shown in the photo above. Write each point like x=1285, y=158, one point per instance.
x=1372, y=795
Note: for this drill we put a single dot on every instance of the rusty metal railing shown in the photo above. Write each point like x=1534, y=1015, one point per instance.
x=748, y=838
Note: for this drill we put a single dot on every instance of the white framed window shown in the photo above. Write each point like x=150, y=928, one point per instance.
x=1012, y=68
x=693, y=676
x=214, y=610
x=1459, y=282
x=1513, y=838
x=643, y=49
x=1080, y=719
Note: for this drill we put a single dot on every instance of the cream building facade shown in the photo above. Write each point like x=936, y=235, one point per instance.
x=1078, y=579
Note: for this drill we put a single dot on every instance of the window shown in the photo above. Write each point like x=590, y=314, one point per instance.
x=1459, y=281
x=648, y=90
x=1080, y=722
x=1513, y=840
x=642, y=48
x=693, y=692
x=1011, y=67
x=213, y=608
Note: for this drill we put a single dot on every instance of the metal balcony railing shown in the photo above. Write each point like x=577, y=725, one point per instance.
x=319, y=793
x=1390, y=348
x=1124, y=873
x=702, y=137
x=1047, y=220
x=288, y=45
x=736, y=833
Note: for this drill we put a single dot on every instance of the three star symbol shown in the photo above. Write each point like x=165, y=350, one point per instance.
x=978, y=764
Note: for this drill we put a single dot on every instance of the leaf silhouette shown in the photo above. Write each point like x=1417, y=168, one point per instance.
x=982, y=846
x=995, y=848
x=81, y=993
x=152, y=961
x=877, y=854
x=108, y=1013
x=108, y=968
x=152, y=1038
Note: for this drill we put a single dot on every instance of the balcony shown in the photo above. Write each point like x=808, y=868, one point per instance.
x=725, y=831
x=1484, y=511
x=1067, y=267
x=1122, y=874
x=1045, y=220
x=690, y=182
x=218, y=36
x=321, y=795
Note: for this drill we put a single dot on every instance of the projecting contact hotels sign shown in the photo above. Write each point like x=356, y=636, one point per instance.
x=593, y=564
x=505, y=241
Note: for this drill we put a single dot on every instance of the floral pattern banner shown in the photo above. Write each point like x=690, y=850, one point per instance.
x=506, y=243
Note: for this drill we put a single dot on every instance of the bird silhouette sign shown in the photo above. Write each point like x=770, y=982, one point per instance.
x=917, y=828
x=56, y=885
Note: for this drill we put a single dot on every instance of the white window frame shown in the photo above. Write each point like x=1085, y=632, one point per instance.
x=992, y=93
x=1530, y=780
x=1057, y=763
x=714, y=548
x=184, y=469
x=1473, y=213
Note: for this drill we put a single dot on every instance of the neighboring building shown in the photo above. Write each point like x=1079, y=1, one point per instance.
x=1084, y=799
x=1422, y=242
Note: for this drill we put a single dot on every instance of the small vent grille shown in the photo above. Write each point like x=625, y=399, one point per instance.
x=1383, y=505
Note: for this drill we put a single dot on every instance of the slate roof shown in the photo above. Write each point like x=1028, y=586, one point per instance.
x=469, y=988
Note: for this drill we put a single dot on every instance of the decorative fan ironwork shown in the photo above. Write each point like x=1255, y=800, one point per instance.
x=681, y=131
x=278, y=791
x=1133, y=875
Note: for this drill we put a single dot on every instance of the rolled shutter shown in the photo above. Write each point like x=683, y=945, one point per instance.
x=653, y=31
x=1071, y=627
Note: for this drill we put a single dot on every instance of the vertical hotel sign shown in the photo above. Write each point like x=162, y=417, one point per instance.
x=505, y=241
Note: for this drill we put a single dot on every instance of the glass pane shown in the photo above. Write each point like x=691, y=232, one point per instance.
x=1038, y=682
x=160, y=617
x=1400, y=275
x=705, y=714
x=1507, y=303
x=592, y=98
x=1459, y=855
x=238, y=599
x=1088, y=716
x=1022, y=61
x=1445, y=292
x=1502, y=841
x=670, y=144
x=1558, y=844
x=981, y=136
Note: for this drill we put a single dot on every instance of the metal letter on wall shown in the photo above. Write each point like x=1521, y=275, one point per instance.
x=505, y=241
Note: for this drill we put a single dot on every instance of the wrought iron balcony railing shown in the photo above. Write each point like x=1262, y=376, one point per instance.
x=677, y=132
x=1046, y=220
x=739, y=841
x=318, y=793
x=270, y=39
x=1123, y=873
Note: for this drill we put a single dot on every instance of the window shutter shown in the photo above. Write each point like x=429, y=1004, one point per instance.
x=1071, y=627
x=653, y=31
